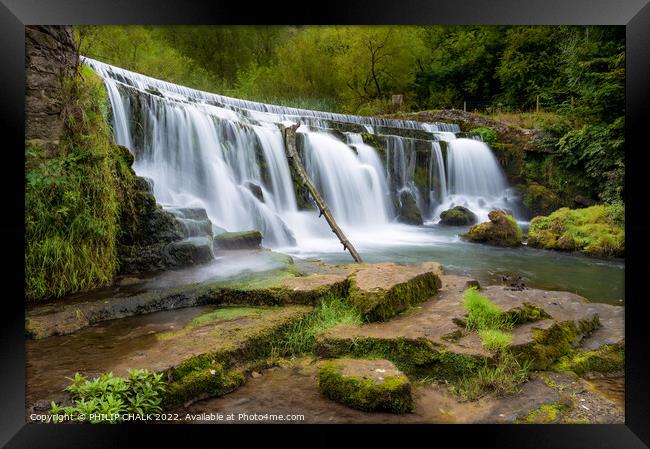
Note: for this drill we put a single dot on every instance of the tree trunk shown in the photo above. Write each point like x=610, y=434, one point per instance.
x=294, y=159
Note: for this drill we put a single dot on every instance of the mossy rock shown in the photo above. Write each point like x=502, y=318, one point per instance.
x=606, y=359
x=501, y=230
x=597, y=230
x=418, y=357
x=209, y=382
x=238, y=240
x=409, y=213
x=381, y=291
x=457, y=216
x=369, y=385
x=539, y=200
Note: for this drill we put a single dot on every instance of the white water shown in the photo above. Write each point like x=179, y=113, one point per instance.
x=353, y=185
x=474, y=180
x=205, y=150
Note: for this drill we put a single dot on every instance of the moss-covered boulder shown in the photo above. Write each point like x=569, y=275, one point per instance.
x=539, y=200
x=381, y=291
x=457, y=216
x=369, y=385
x=605, y=360
x=238, y=240
x=597, y=230
x=501, y=230
x=408, y=211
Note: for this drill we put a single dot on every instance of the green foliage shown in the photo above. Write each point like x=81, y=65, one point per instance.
x=597, y=151
x=106, y=398
x=72, y=198
x=488, y=135
x=597, y=230
x=330, y=312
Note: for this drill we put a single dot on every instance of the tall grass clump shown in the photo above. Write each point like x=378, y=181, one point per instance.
x=330, y=312
x=504, y=373
x=483, y=313
x=72, y=199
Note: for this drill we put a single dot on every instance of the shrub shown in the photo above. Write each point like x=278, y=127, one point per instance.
x=106, y=398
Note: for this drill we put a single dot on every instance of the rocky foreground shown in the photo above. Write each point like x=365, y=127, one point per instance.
x=216, y=341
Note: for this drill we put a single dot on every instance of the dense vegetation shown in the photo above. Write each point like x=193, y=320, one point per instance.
x=575, y=73
x=73, y=197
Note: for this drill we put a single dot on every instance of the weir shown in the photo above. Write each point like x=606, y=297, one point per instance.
x=228, y=156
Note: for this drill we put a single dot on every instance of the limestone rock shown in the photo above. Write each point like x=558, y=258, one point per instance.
x=381, y=291
x=501, y=230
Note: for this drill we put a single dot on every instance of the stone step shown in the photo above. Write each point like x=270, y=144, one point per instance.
x=197, y=348
x=369, y=385
x=432, y=339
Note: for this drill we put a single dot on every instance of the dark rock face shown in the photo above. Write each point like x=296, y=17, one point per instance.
x=458, y=216
x=238, y=240
x=191, y=251
x=155, y=241
x=581, y=201
x=50, y=54
x=409, y=212
x=255, y=190
x=539, y=200
x=501, y=230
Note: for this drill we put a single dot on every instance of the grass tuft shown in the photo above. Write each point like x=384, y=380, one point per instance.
x=483, y=313
x=330, y=312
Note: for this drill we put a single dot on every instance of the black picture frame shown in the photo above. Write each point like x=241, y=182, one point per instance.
x=633, y=14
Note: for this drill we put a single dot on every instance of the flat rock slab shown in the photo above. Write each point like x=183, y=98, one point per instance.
x=294, y=389
x=157, y=342
x=381, y=291
x=245, y=278
x=274, y=281
x=370, y=385
x=435, y=329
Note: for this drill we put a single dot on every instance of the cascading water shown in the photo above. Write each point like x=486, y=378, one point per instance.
x=474, y=179
x=437, y=176
x=227, y=156
x=353, y=185
x=401, y=160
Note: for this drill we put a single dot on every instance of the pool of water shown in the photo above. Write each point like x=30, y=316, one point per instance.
x=599, y=280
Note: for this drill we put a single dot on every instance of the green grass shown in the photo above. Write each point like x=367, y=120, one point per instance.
x=501, y=379
x=331, y=312
x=494, y=339
x=72, y=198
x=483, y=313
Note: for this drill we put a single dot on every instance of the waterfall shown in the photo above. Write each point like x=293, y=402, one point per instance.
x=437, y=176
x=227, y=156
x=401, y=160
x=474, y=179
x=352, y=184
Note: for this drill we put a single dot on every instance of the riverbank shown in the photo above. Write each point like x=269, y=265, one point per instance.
x=245, y=340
